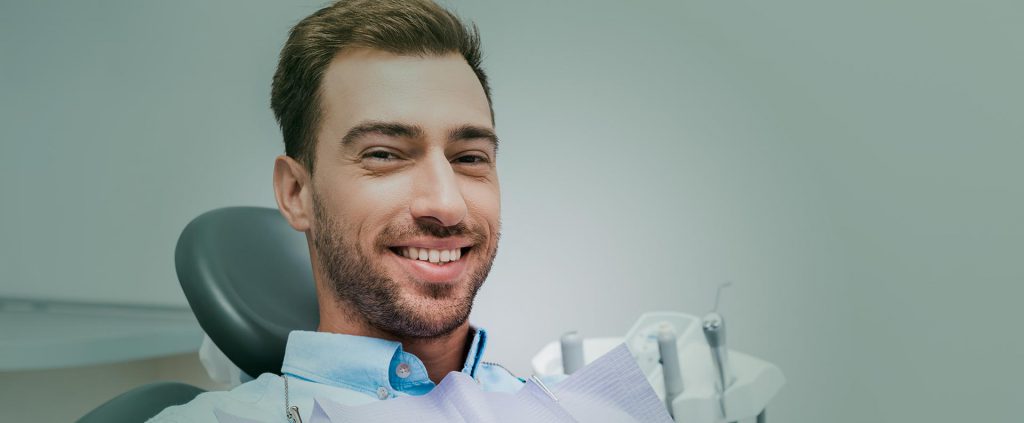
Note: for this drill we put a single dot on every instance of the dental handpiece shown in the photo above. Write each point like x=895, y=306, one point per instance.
x=714, y=332
x=572, y=352
x=670, y=368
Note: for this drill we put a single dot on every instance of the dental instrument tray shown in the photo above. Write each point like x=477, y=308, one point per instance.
x=710, y=388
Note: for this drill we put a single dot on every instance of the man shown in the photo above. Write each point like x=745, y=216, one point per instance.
x=390, y=172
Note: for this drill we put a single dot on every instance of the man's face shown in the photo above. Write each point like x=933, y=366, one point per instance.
x=405, y=189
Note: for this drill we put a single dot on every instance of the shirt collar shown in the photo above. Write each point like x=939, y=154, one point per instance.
x=366, y=364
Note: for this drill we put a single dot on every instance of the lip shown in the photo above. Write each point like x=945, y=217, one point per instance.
x=427, y=272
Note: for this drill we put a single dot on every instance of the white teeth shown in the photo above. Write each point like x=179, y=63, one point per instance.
x=433, y=256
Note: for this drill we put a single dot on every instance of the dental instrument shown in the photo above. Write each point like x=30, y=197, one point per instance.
x=671, y=370
x=572, y=352
x=713, y=326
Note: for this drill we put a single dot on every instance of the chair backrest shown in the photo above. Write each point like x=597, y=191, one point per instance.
x=142, y=403
x=247, y=276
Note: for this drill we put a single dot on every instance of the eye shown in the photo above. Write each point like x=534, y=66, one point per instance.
x=471, y=159
x=380, y=155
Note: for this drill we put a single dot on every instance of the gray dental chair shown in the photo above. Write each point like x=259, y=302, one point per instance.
x=247, y=276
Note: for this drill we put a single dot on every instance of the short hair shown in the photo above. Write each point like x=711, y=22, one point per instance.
x=414, y=27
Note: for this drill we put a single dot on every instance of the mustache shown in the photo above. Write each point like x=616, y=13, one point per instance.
x=395, y=234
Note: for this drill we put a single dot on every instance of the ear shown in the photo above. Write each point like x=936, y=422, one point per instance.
x=293, y=190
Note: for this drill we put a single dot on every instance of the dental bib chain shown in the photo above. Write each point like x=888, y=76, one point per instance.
x=491, y=363
x=290, y=412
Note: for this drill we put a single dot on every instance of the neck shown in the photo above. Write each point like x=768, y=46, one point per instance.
x=440, y=355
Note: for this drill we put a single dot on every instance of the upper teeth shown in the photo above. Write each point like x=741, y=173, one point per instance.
x=431, y=255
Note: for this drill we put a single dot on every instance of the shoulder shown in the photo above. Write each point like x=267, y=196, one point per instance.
x=246, y=400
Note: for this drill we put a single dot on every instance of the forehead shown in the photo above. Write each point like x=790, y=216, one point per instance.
x=435, y=92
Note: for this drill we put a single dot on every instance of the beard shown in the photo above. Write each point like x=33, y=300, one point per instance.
x=359, y=279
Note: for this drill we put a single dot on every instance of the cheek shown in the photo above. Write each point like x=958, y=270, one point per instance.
x=365, y=205
x=484, y=201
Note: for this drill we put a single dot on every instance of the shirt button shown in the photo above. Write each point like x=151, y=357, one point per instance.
x=382, y=393
x=402, y=370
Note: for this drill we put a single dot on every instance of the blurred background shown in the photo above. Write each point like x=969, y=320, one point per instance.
x=854, y=168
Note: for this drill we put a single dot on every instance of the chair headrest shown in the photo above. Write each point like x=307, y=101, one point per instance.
x=247, y=276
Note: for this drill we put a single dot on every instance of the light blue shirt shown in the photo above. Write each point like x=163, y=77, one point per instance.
x=346, y=369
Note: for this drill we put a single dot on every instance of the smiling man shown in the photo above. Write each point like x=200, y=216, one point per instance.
x=390, y=172
x=400, y=199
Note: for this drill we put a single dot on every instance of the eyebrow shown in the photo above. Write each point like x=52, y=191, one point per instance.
x=391, y=129
x=396, y=129
x=473, y=132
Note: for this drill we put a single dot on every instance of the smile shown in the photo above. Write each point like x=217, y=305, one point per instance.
x=433, y=250
x=429, y=254
x=432, y=260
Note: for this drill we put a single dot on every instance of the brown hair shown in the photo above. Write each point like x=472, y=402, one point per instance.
x=415, y=27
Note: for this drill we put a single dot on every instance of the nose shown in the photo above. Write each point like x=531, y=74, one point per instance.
x=437, y=196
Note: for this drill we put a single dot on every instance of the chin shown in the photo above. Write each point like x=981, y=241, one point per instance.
x=438, y=308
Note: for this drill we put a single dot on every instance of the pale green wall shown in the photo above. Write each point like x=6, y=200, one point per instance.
x=854, y=168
